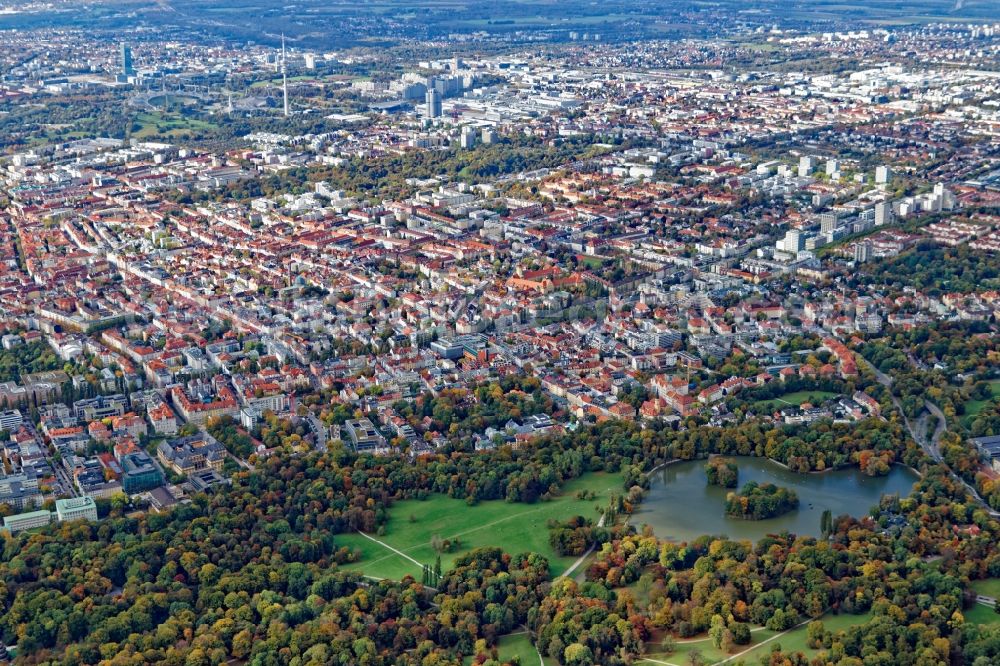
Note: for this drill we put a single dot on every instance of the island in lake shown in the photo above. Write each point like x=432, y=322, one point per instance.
x=759, y=501
x=722, y=472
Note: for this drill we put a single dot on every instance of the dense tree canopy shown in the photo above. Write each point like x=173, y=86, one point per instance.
x=253, y=572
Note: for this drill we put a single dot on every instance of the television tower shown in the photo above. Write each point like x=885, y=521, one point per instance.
x=284, y=74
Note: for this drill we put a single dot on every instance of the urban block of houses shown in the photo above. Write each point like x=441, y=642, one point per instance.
x=199, y=411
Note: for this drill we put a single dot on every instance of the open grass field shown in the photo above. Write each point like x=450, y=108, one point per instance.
x=515, y=645
x=516, y=527
x=762, y=642
x=795, y=640
x=702, y=645
x=293, y=79
x=974, y=407
x=980, y=614
x=158, y=125
x=989, y=587
x=590, y=262
x=795, y=398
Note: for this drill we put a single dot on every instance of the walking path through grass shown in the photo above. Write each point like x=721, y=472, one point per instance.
x=708, y=638
x=988, y=587
x=794, y=399
x=384, y=544
x=515, y=644
x=405, y=546
x=791, y=640
x=579, y=561
x=765, y=641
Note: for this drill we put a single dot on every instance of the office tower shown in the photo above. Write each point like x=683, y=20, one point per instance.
x=862, y=251
x=128, y=69
x=883, y=213
x=489, y=135
x=433, y=100
x=310, y=61
x=883, y=175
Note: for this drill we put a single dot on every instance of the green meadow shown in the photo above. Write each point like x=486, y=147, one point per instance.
x=514, y=526
x=762, y=642
x=796, y=398
x=974, y=407
x=514, y=645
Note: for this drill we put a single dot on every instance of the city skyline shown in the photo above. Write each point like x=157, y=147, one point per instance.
x=436, y=333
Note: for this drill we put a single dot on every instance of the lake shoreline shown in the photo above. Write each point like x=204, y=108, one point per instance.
x=680, y=505
x=837, y=468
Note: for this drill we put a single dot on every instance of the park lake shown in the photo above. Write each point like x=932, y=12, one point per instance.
x=680, y=505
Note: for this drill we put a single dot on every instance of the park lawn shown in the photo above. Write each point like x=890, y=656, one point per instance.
x=981, y=614
x=974, y=407
x=291, y=79
x=375, y=560
x=761, y=642
x=989, y=587
x=593, y=263
x=703, y=645
x=761, y=47
x=173, y=124
x=795, y=640
x=795, y=398
x=514, y=645
x=515, y=526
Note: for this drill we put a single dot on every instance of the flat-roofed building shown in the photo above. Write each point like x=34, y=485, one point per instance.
x=27, y=521
x=139, y=473
x=364, y=436
x=10, y=420
x=76, y=508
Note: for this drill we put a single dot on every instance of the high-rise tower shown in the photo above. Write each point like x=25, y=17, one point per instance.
x=433, y=103
x=128, y=69
x=284, y=74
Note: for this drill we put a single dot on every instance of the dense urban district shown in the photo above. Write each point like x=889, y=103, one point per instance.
x=514, y=340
